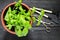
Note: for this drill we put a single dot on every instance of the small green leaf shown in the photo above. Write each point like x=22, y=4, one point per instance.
x=8, y=14
x=28, y=25
x=28, y=18
x=18, y=32
x=28, y=13
x=20, y=1
x=9, y=10
x=9, y=26
x=33, y=10
x=14, y=11
x=22, y=10
x=12, y=21
x=25, y=31
x=17, y=4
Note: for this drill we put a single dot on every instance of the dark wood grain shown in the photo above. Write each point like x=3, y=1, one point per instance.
x=35, y=34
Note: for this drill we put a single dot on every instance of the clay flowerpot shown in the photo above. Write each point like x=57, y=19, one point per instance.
x=3, y=13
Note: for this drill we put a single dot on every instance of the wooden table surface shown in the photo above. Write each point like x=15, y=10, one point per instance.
x=35, y=34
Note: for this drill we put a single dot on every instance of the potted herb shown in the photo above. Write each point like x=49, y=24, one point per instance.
x=17, y=18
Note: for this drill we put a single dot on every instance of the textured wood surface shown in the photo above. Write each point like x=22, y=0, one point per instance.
x=35, y=34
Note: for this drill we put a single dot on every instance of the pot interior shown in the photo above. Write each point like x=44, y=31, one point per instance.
x=12, y=6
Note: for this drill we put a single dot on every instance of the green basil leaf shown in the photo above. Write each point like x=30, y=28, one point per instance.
x=33, y=10
x=27, y=25
x=28, y=18
x=28, y=13
x=25, y=31
x=9, y=26
x=14, y=11
x=17, y=4
x=18, y=32
x=22, y=10
x=20, y=1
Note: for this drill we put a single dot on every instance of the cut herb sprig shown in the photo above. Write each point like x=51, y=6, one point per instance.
x=40, y=17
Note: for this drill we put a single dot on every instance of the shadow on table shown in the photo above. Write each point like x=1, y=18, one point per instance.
x=9, y=36
x=36, y=35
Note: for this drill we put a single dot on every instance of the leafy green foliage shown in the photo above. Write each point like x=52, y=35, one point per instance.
x=25, y=31
x=19, y=19
x=18, y=3
x=18, y=31
x=9, y=26
x=32, y=13
x=40, y=17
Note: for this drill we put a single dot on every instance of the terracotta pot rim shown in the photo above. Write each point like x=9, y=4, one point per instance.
x=2, y=19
